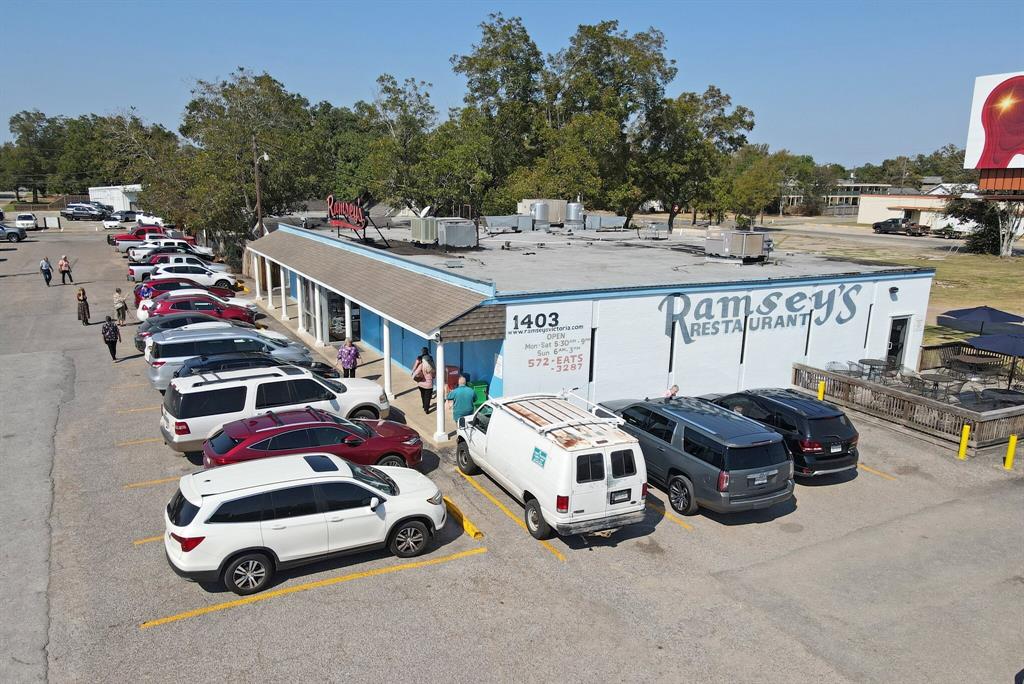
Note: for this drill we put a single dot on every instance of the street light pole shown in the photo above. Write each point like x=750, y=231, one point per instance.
x=256, y=173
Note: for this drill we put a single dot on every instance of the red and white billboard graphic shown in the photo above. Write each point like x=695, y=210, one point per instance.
x=995, y=139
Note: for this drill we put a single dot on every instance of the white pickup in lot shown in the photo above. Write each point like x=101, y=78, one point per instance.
x=141, y=250
x=139, y=272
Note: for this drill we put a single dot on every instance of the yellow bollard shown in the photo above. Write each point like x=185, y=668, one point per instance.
x=821, y=390
x=1010, y=449
x=964, y=436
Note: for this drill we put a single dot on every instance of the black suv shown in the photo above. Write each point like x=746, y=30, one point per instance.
x=81, y=212
x=820, y=437
x=237, y=360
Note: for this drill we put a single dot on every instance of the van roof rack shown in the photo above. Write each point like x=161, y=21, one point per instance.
x=569, y=425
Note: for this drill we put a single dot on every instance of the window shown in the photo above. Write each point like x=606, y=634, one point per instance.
x=623, y=464
x=212, y=402
x=707, y=450
x=661, y=427
x=180, y=510
x=327, y=436
x=483, y=418
x=174, y=350
x=369, y=475
x=309, y=390
x=262, y=445
x=296, y=439
x=203, y=306
x=746, y=407
x=589, y=468
x=222, y=443
x=244, y=510
x=194, y=269
x=182, y=306
x=293, y=502
x=636, y=416
x=760, y=456
x=784, y=422
x=343, y=496
x=273, y=394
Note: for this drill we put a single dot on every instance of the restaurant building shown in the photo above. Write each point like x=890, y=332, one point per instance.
x=604, y=315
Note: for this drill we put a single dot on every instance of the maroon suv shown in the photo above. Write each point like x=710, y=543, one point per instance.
x=366, y=442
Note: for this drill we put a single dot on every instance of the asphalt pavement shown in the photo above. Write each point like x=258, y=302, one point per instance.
x=909, y=569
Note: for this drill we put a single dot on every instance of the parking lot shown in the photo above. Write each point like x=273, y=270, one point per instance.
x=910, y=569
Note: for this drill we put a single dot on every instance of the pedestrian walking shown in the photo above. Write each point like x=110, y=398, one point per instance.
x=64, y=266
x=46, y=269
x=348, y=357
x=83, y=306
x=111, y=336
x=423, y=375
x=461, y=400
x=120, y=306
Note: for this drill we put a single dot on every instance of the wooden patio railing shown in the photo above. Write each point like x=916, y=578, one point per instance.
x=935, y=418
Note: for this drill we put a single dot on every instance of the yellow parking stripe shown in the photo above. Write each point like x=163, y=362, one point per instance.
x=879, y=473
x=255, y=598
x=147, y=540
x=150, y=483
x=504, y=509
x=141, y=408
x=136, y=442
x=668, y=516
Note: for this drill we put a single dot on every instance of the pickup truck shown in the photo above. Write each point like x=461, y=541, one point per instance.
x=137, y=235
x=139, y=272
x=151, y=237
x=900, y=225
x=139, y=252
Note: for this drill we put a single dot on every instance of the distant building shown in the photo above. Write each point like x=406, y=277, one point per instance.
x=928, y=209
x=121, y=197
x=846, y=196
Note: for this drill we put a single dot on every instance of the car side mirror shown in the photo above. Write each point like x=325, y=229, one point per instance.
x=374, y=502
x=352, y=441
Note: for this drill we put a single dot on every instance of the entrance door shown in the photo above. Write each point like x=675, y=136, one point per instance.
x=897, y=341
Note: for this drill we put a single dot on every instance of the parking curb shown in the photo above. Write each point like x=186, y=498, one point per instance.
x=469, y=528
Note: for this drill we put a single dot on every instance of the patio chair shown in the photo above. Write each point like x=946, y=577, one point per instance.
x=857, y=370
x=837, y=367
x=953, y=390
x=916, y=385
x=990, y=376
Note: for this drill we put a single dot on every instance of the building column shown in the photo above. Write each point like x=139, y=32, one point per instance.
x=257, y=276
x=439, y=379
x=267, y=268
x=300, y=295
x=348, y=319
x=387, y=358
x=325, y=321
x=318, y=316
x=285, y=283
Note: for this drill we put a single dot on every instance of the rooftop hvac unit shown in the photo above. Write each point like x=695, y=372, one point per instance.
x=736, y=244
x=424, y=230
x=456, y=232
x=574, y=212
x=556, y=209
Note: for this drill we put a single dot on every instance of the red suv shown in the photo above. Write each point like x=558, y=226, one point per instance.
x=366, y=442
x=162, y=285
x=170, y=303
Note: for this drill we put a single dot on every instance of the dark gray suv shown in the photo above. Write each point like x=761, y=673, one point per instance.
x=704, y=455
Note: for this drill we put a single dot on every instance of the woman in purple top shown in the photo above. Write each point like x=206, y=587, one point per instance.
x=348, y=357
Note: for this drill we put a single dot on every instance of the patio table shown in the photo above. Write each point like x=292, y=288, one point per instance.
x=977, y=360
x=1003, y=396
x=875, y=366
x=937, y=379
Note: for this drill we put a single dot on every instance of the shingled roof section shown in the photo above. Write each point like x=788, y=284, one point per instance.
x=418, y=301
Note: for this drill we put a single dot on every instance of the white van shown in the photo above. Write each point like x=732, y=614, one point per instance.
x=574, y=472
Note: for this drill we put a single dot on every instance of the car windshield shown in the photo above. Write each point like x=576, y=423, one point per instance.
x=336, y=386
x=833, y=426
x=371, y=476
x=25, y=217
x=357, y=428
x=758, y=456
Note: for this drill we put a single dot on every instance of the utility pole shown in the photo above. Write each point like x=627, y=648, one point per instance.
x=256, y=173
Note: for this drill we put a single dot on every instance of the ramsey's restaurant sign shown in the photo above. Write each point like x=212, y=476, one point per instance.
x=710, y=316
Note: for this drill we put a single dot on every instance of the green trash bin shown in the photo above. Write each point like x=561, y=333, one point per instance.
x=480, y=389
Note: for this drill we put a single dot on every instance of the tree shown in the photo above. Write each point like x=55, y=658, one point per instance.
x=1000, y=223
x=751, y=182
x=37, y=144
x=689, y=139
x=454, y=169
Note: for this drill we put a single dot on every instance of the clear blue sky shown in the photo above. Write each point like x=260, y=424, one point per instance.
x=845, y=82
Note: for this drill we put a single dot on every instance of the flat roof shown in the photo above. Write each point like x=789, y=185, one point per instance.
x=540, y=262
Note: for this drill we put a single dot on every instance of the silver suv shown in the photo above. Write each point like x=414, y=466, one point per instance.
x=12, y=234
x=166, y=352
x=708, y=456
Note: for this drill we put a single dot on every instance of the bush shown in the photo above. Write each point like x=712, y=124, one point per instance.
x=984, y=240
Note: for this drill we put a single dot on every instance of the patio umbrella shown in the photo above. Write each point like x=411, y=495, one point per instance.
x=983, y=315
x=1009, y=344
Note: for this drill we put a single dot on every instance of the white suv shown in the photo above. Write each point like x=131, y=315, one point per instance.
x=238, y=524
x=199, y=274
x=197, y=406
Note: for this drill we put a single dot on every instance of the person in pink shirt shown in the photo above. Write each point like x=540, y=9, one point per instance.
x=423, y=374
x=348, y=357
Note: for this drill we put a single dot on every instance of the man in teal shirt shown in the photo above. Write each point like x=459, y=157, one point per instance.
x=461, y=400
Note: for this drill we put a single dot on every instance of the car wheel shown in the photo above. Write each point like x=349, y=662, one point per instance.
x=364, y=413
x=223, y=284
x=466, y=463
x=409, y=539
x=12, y=238
x=535, y=523
x=248, y=574
x=680, y=495
x=392, y=460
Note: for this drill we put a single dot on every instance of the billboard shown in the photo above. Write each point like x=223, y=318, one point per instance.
x=995, y=138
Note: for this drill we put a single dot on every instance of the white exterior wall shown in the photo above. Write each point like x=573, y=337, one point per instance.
x=800, y=323
x=121, y=197
x=874, y=208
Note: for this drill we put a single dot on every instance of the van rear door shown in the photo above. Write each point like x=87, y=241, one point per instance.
x=626, y=477
x=589, y=497
x=759, y=469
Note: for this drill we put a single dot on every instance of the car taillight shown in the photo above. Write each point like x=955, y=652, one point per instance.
x=643, y=492
x=181, y=428
x=131, y=271
x=187, y=543
x=810, y=446
x=157, y=364
x=853, y=442
x=723, y=481
x=562, y=504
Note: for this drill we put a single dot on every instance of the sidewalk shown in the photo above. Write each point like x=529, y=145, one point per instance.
x=405, y=406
